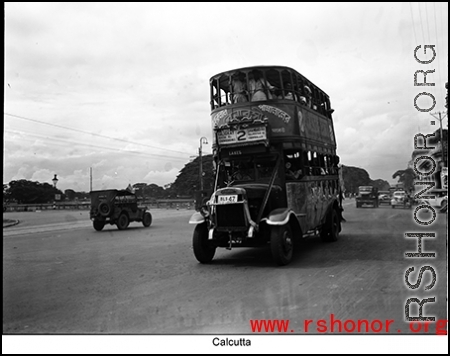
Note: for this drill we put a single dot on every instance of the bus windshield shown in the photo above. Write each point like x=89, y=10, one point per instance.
x=246, y=169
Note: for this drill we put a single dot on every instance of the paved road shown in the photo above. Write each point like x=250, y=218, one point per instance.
x=64, y=277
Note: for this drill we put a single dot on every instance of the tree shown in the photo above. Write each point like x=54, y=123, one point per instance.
x=28, y=192
x=355, y=177
x=139, y=189
x=70, y=194
x=187, y=182
x=381, y=184
x=154, y=191
x=406, y=177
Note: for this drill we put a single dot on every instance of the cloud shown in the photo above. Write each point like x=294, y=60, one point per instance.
x=127, y=84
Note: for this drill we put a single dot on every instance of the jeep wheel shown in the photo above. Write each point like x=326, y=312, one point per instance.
x=281, y=244
x=147, y=219
x=203, y=251
x=123, y=221
x=99, y=225
x=104, y=208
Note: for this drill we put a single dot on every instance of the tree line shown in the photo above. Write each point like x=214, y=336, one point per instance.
x=186, y=185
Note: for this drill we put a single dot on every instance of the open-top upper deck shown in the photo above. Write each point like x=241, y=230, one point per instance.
x=268, y=105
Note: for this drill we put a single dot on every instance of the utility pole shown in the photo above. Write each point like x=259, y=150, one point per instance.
x=440, y=118
x=90, y=179
x=202, y=140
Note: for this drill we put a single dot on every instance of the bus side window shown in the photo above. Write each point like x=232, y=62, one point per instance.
x=238, y=86
x=326, y=164
x=294, y=167
x=310, y=169
x=308, y=95
x=322, y=164
x=223, y=98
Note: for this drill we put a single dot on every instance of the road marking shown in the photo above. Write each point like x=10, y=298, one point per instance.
x=13, y=231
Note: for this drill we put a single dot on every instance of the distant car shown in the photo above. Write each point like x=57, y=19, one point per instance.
x=400, y=198
x=118, y=207
x=439, y=200
x=384, y=199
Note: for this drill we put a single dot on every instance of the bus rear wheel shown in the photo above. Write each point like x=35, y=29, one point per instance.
x=330, y=231
x=281, y=244
x=203, y=251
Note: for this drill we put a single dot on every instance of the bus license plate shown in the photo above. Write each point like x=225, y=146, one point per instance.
x=226, y=199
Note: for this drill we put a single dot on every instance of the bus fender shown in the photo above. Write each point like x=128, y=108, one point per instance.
x=197, y=218
x=333, y=206
x=279, y=216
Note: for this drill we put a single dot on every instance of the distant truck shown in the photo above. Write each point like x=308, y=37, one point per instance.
x=118, y=207
x=367, y=194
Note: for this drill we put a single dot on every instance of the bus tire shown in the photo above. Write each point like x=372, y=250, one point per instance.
x=281, y=244
x=330, y=231
x=203, y=251
x=123, y=221
x=98, y=225
x=335, y=226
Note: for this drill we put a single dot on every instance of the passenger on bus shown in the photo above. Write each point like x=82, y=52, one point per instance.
x=292, y=173
x=308, y=94
x=239, y=89
x=258, y=87
x=288, y=92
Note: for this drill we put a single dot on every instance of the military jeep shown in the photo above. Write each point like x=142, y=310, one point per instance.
x=119, y=207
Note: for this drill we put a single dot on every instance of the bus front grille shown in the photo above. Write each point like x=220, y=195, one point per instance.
x=230, y=216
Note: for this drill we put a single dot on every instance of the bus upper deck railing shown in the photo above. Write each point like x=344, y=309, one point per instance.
x=267, y=83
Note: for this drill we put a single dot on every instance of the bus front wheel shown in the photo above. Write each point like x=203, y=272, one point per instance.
x=281, y=244
x=203, y=251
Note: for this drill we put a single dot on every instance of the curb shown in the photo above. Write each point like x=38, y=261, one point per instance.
x=9, y=223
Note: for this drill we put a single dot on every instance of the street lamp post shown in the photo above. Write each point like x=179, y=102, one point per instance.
x=55, y=180
x=205, y=141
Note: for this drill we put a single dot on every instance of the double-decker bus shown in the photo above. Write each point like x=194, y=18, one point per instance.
x=276, y=168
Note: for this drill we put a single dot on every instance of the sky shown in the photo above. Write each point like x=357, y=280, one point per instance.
x=122, y=89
